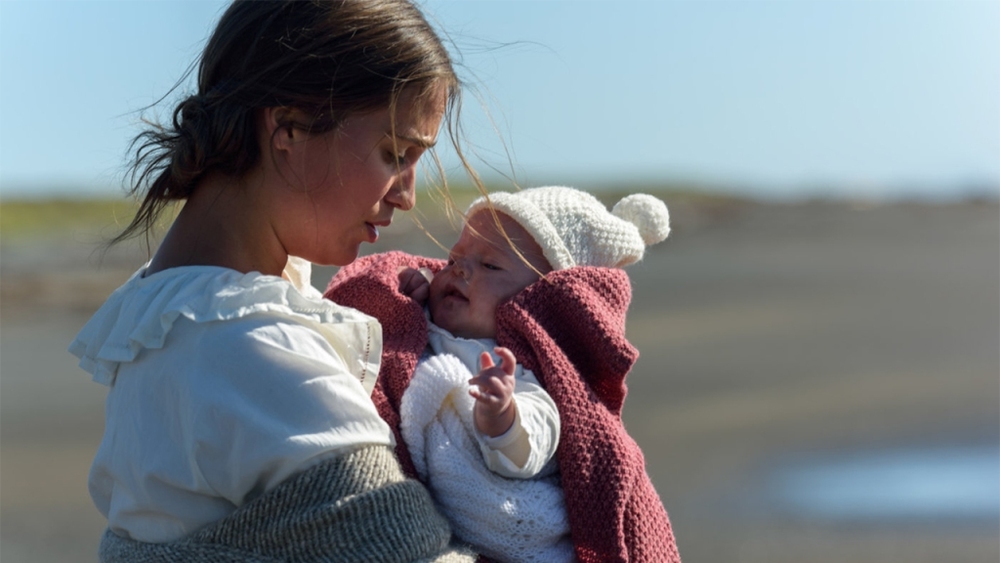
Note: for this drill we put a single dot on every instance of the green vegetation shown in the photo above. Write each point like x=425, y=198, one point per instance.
x=23, y=218
x=30, y=218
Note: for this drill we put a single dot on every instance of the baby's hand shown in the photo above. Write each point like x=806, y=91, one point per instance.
x=414, y=284
x=493, y=390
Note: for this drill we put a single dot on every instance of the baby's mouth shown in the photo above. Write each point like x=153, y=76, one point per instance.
x=455, y=293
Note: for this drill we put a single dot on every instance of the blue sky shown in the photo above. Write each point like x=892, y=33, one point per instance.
x=776, y=98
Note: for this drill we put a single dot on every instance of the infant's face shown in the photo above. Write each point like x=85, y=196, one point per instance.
x=483, y=271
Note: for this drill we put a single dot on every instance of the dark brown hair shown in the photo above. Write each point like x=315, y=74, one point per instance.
x=327, y=58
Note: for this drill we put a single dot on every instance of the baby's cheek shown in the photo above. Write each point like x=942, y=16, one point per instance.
x=432, y=304
x=433, y=296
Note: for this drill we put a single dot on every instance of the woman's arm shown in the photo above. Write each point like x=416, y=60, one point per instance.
x=358, y=507
x=272, y=397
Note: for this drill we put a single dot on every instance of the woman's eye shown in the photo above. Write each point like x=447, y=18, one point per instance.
x=396, y=159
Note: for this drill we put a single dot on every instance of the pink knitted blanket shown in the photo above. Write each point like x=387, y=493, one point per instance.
x=570, y=331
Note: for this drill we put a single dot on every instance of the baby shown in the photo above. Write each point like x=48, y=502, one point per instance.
x=525, y=471
x=507, y=426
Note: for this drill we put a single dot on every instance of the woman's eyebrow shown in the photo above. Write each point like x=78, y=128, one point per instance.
x=422, y=142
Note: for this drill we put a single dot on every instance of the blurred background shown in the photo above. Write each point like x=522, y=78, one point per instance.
x=819, y=376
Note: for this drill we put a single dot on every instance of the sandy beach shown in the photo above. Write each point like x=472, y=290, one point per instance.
x=818, y=381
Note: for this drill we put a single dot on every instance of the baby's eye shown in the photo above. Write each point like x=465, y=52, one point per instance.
x=451, y=261
x=489, y=266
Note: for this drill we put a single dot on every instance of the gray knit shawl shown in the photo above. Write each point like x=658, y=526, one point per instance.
x=358, y=507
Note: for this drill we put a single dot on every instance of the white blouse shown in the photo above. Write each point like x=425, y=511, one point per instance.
x=221, y=385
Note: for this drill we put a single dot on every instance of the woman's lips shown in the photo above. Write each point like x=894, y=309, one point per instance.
x=373, y=226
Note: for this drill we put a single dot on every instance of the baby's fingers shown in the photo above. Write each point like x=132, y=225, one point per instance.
x=484, y=396
x=483, y=383
x=507, y=360
x=485, y=362
x=491, y=387
x=413, y=284
x=421, y=293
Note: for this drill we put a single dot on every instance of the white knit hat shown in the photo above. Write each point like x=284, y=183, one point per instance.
x=575, y=229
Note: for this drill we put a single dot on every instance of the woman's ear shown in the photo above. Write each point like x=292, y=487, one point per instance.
x=284, y=127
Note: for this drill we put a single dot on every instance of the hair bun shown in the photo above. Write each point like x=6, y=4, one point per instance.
x=647, y=213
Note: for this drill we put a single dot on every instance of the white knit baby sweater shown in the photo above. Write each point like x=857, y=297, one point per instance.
x=509, y=513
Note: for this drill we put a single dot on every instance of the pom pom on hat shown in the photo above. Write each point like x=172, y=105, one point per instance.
x=574, y=228
x=648, y=214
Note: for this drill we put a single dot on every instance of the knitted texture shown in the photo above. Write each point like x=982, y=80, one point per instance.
x=404, y=328
x=356, y=508
x=573, y=228
x=510, y=520
x=570, y=331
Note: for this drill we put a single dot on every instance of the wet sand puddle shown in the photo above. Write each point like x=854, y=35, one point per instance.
x=954, y=484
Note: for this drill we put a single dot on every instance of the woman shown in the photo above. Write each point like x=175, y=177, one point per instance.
x=238, y=421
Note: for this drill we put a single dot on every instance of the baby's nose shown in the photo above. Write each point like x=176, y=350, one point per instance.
x=462, y=269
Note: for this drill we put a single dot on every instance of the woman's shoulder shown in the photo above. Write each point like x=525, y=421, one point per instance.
x=143, y=311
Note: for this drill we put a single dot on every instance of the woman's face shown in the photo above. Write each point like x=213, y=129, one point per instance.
x=483, y=271
x=341, y=186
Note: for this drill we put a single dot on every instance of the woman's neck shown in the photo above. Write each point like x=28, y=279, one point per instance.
x=219, y=226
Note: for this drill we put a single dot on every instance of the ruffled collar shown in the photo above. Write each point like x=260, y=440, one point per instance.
x=140, y=313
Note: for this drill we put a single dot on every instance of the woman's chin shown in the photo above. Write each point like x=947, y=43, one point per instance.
x=338, y=259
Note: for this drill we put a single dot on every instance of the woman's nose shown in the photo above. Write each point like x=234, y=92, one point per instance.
x=403, y=194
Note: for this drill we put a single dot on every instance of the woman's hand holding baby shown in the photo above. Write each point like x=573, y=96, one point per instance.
x=493, y=389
